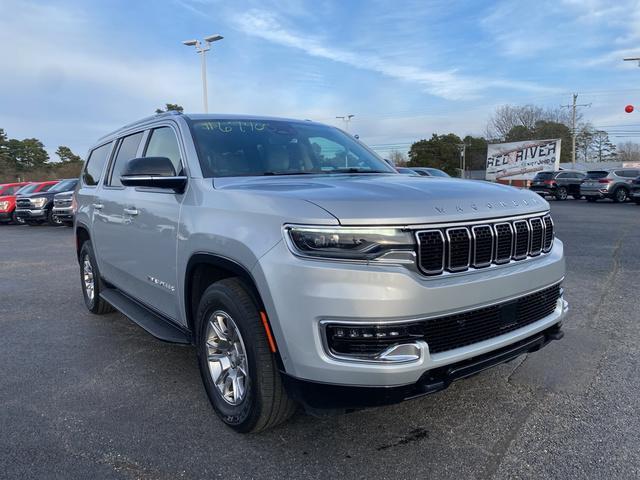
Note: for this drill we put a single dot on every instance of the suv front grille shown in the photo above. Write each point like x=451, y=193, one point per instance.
x=447, y=332
x=23, y=203
x=459, y=248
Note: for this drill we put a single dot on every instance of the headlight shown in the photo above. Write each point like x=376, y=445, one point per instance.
x=352, y=243
x=38, y=202
x=4, y=205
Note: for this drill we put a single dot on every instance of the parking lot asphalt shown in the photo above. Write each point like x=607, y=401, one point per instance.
x=84, y=396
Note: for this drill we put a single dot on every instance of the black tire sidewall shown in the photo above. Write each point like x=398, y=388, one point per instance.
x=243, y=416
x=617, y=192
x=87, y=251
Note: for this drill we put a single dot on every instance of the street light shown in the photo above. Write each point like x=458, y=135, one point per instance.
x=202, y=49
x=347, y=120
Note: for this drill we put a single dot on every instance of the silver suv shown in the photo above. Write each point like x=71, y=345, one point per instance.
x=614, y=184
x=304, y=269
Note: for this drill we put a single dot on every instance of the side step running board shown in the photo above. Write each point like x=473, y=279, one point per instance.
x=158, y=326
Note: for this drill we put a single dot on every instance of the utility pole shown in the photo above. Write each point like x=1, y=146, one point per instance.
x=573, y=108
x=462, y=147
x=202, y=49
x=347, y=120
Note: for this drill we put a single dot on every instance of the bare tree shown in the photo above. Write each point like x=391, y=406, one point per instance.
x=584, y=140
x=603, y=149
x=506, y=117
x=629, y=152
x=398, y=158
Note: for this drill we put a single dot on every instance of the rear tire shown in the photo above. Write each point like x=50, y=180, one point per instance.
x=637, y=201
x=91, y=282
x=561, y=194
x=246, y=389
x=620, y=195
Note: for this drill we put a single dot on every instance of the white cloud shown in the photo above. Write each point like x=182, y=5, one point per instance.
x=448, y=84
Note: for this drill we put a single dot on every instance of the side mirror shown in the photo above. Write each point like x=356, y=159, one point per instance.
x=155, y=172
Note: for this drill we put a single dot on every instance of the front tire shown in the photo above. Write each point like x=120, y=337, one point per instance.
x=238, y=370
x=53, y=220
x=17, y=220
x=91, y=281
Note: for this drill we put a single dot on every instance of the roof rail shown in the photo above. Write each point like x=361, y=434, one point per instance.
x=142, y=120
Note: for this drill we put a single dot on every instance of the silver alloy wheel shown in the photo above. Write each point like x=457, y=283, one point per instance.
x=226, y=357
x=621, y=195
x=87, y=278
x=562, y=193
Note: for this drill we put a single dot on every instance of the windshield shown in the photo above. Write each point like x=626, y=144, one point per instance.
x=27, y=189
x=595, y=174
x=64, y=185
x=236, y=148
x=437, y=173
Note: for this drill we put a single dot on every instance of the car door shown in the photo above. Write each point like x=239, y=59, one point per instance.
x=151, y=218
x=109, y=220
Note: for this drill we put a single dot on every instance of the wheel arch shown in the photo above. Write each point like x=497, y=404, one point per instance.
x=202, y=270
x=82, y=235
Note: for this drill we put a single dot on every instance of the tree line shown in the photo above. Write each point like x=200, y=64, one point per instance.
x=513, y=123
x=27, y=160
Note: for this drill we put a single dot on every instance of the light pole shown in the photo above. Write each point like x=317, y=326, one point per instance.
x=202, y=49
x=347, y=120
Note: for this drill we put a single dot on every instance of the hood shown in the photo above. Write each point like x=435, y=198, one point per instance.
x=67, y=194
x=397, y=199
x=37, y=194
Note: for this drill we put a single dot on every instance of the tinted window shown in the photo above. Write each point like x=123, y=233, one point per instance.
x=437, y=173
x=544, y=176
x=46, y=188
x=10, y=190
x=627, y=173
x=163, y=143
x=274, y=147
x=27, y=189
x=128, y=147
x=65, y=185
x=95, y=163
x=564, y=175
x=595, y=174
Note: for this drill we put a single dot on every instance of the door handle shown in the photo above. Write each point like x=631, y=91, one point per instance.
x=131, y=211
x=98, y=206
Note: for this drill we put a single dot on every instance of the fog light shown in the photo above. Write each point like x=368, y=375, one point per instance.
x=372, y=341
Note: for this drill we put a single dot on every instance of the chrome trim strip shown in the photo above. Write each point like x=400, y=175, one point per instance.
x=515, y=241
x=538, y=251
x=505, y=259
x=466, y=223
x=475, y=246
x=464, y=267
x=425, y=271
x=553, y=233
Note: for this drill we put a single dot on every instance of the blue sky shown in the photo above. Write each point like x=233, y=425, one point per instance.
x=71, y=71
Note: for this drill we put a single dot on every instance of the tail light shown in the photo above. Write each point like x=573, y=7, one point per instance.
x=604, y=180
x=549, y=182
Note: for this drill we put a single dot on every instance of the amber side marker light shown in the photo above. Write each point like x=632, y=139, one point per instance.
x=265, y=324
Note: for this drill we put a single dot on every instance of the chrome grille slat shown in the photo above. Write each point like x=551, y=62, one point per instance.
x=458, y=248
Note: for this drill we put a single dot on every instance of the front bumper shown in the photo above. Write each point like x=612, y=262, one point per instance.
x=33, y=214
x=543, y=190
x=330, y=396
x=5, y=216
x=301, y=295
x=63, y=213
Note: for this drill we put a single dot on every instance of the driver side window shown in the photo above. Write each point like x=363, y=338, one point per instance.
x=163, y=143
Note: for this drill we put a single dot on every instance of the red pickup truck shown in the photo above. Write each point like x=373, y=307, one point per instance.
x=8, y=193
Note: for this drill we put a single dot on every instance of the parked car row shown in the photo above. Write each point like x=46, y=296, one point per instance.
x=37, y=203
x=618, y=184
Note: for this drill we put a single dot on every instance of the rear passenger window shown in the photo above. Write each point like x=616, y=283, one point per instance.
x=127, y=149
x=95, y=163
x=163, y=143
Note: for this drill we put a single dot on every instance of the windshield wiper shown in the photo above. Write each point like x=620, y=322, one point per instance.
x=291, y=173
x=355, y=170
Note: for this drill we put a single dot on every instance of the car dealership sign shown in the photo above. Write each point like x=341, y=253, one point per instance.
x=522, y=160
